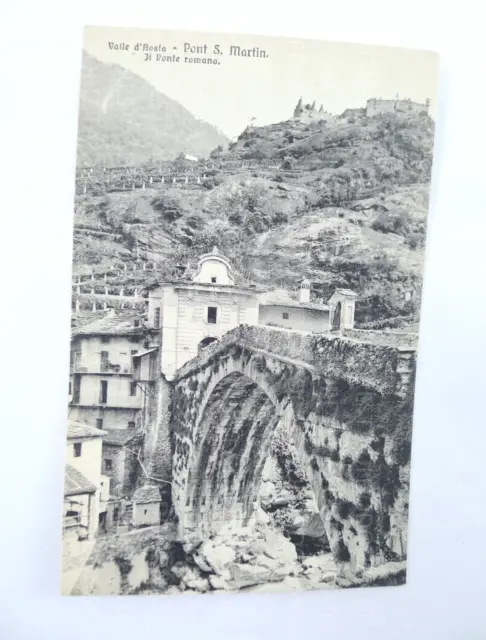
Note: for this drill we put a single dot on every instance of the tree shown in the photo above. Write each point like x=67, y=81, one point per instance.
x=298, y=108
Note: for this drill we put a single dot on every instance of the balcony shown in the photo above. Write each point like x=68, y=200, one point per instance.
x=105, y=368
x=113, y=367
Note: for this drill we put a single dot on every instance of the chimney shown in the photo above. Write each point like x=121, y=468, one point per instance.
x=304, y=293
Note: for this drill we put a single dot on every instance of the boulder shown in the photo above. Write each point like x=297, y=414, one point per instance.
x=201, y=562
x=260, y=517
x=197, y=584
x=180, y=569
x=324, y=562
x=246, y=575
x=217, y=558
x=282, y=500
x=172, y=590
x=217, y=583
x=278, y=547
x=313, y=527
x=191, y=542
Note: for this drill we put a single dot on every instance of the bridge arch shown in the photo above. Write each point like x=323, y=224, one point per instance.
x=223, y=436
x=205, y=342
x=352, y=440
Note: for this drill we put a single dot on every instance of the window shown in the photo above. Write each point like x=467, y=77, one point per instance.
x=285, y=316
x=99, y=423
x=103, y=391
x=136, y=322
x=75, y=359
x=133, y=388
x=157, y=318
x=131, y=424
x=213, y=280
x=70, y=388
x=105, y=339
x=108, y=464
x=77, y=449
x=104, y=360
x=145, y=512
x=212, y=315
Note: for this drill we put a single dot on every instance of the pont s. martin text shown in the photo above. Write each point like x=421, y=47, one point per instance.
x=187, y=53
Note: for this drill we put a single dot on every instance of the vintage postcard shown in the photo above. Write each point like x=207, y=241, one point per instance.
x=249, y=233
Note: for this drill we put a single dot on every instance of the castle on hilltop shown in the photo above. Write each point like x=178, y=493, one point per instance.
x=309, y=113
x=375, y=106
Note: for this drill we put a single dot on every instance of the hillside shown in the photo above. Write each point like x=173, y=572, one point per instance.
x=120, y=112
x=344, y=204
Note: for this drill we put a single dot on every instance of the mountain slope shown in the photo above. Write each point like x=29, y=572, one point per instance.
x=345, y=215
x=124, y=120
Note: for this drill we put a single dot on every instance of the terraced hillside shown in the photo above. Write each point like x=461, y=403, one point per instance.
x=343, y=203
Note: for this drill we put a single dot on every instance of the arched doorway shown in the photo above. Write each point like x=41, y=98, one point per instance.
x=204, y=343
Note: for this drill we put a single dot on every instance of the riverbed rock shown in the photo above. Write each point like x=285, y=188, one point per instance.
x=246, y=575
x=278, y=547
x=180, y=570
x=215, y=556
x=319, y=569
x=218, y=583
x=197, y=584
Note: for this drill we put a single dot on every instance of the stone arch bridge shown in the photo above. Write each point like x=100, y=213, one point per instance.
x=345, y=402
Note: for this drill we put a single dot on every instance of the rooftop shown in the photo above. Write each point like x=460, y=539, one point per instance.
x=146, y=494
x=111, y=324
x=82, y=430
x=75, y=483
x=283, y=298
x=346, y=292
x=119, y=437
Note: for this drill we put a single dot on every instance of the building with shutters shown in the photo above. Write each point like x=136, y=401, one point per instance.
x=102, y=392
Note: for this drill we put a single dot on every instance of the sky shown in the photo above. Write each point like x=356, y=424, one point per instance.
x=231, y=93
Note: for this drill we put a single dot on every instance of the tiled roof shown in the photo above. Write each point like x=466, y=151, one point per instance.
x=119, y=437
x=146, y=494
x=75, y=483
x=296, y=304
x=282, y=298
x=346, y=292
x=81, y=319
x=82, y=430
x=111, y=324
x=146, y=352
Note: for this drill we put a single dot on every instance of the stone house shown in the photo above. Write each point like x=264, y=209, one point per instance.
x=119, y=459
x=146, y=506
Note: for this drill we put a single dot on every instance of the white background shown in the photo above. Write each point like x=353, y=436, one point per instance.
x=445, y=594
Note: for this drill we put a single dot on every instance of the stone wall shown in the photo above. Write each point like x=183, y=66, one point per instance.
x=375, y=106
x=371, y=361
